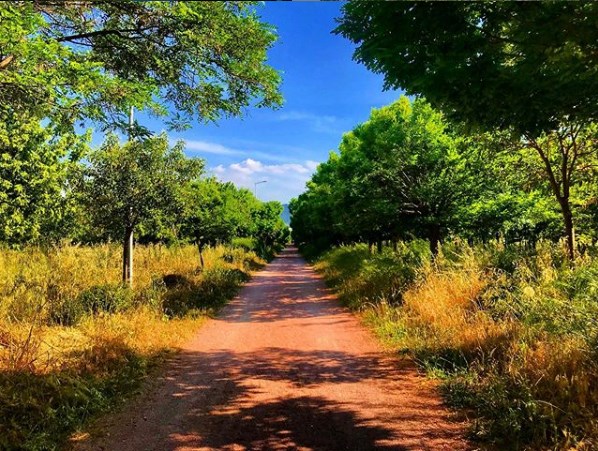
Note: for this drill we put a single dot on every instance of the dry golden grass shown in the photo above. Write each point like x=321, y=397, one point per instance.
x=53, y=376
x=517, y=347
x=31, y=278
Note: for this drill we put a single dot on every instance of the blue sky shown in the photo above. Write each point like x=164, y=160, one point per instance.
x=326, y=93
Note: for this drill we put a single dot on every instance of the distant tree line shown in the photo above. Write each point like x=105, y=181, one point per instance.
x=502, y=138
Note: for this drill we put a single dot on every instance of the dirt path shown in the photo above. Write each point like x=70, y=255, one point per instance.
x=284, y=367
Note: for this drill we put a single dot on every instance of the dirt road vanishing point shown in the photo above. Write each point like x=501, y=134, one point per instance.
x=284, y=367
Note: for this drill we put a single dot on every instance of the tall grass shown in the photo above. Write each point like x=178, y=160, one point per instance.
x=74, y=341
x=512, y=332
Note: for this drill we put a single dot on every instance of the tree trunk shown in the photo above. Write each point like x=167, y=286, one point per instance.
x=379, y=245
x=200, y=248
x=566, y=169
x=370, y=246
x=395, y=245
x=569, y=230
x=128, y=257
x=434, y=238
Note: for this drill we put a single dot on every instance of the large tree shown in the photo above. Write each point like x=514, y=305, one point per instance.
x=402, y=173
x=530, y=68
x=95, y=58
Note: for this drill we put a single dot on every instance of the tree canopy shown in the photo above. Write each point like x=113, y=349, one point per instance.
x=72, y=60
x=66, y=64
x=409, y=173
x=522, y=65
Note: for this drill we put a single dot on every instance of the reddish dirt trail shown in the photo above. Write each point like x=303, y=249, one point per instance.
x=285, y=367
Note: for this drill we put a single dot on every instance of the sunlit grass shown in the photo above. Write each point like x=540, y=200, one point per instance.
x=74, y=342
x=512, y=331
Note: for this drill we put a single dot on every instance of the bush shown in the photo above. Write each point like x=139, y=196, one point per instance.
x=92, y=301
x=106, y=299
x=363, y=278
x=206, y=294
x=248, y=244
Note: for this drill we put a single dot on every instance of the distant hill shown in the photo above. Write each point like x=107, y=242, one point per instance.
x=286, y=214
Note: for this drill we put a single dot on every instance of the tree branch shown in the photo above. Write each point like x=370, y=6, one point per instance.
x=6, y=61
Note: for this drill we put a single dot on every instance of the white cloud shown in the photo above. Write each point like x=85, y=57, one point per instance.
x=283, y=180
x=208, y=147
x=318, y=123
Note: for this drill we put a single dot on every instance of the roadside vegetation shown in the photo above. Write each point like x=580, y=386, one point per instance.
x=111, y=254
x=74, y=341
x=462, y=221
x=510, y=331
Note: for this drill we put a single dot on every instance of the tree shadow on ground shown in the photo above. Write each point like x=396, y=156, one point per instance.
x=305, y=422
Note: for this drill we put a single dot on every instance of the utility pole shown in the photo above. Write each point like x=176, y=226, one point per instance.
x=255, y=187
x=128, y=238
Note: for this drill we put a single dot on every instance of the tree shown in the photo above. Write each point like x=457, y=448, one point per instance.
x=530, y=68
x=270, y=230
x=205, y=59
x=498, y=64
x=402, y=173
x=127, y=184
x=33, y=179
x=208, y=217
x=64, y=63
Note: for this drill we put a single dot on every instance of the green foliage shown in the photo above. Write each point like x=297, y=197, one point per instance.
x=126, y=185
x=63, y=64
x=245, y=243
x=362, y=278
x=406, y=173
x=98, y=299
x=213, y=288
x=215, y=212
x=476, y=61
x=106, y=299
x=39, y=411
x=34, y=196
x=269, y=229
x=106, y=57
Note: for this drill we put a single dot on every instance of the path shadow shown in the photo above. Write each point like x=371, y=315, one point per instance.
x=305, y=422
x=269, y=298
x=222, y=394
x=273, y=398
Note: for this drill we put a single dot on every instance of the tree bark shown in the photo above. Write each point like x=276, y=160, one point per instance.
x=434, y=237
x=128, y=257
x=379, y=246
x=569, y=229
x=562, y=197
x=200, y=248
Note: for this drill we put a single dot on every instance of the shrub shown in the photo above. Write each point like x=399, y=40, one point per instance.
x=363, y=278
x=206, y=293
x=248, y=244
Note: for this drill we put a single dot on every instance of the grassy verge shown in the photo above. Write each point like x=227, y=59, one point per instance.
x=511, y=331
x=74, y=342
